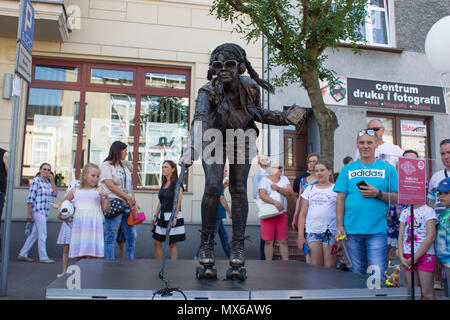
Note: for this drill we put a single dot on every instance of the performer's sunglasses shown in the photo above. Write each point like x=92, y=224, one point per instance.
x=445, y=141
x=370, y=132
x=376, y=128
x=229, y=64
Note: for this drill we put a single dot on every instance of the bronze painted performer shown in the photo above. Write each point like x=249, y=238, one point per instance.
x=229, y=101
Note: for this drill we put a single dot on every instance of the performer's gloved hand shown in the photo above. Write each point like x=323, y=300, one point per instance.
x=296, y=115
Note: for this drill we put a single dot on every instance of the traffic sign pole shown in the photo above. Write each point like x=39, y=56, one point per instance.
x=24, y=49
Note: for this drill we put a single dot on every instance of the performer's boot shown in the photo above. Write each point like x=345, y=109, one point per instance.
x=237, y=261
x=239, y=207
x=206, y=251
x=206, y=257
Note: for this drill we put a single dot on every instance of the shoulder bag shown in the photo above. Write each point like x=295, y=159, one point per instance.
x=268, y=210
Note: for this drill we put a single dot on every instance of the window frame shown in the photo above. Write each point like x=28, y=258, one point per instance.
x=138, y=89
x=389, y=15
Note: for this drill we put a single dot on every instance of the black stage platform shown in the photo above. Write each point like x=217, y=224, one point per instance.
x=138, y=279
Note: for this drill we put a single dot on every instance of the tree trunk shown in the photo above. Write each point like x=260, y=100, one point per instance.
x=326, y=119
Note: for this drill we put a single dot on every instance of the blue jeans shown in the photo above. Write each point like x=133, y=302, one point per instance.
x=367, y=248
x=223, y=235
x=112, y=228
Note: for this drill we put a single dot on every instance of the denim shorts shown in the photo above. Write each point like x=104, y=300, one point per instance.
x=325, y=237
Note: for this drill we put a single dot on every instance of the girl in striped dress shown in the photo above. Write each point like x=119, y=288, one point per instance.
x=90, y=201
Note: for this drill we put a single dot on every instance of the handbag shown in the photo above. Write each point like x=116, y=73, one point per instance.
x=268, y=210
x=117, y=207
x=137, y=216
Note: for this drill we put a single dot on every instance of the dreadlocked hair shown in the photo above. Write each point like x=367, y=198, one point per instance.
x=234, y=50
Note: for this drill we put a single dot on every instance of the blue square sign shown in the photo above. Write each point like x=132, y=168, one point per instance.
x=27, y=25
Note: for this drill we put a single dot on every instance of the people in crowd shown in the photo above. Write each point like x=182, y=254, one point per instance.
x=443, y=230
x=65, y=231
x=424, y=263
x=432, y=194
x=385, y=151
x=90, y=201
x=365, y=189
x=164, y=210
x=116, y=179
x=42, y=188
x=347, y=160
x=223, y=211
x=3, y=175
x=263, y=171
x=275, y=228
x=318, y=218
x=302, y=181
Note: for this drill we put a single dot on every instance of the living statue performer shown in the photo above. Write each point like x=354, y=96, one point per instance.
x=229, y=101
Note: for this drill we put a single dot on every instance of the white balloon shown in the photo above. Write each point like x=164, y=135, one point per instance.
x=437, y=45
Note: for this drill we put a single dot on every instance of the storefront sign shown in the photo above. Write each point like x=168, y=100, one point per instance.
x=411, y=181
x=412, y=129
x=392, y=95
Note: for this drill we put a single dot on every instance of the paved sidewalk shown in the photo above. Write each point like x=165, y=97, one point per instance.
x=28, y=280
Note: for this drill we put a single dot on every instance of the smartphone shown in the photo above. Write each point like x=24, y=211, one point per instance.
x=362, y=183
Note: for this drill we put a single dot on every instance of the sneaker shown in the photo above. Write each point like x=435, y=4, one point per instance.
x=49, y=261
x=24, y=259
x=59, y=275
x=437, y=285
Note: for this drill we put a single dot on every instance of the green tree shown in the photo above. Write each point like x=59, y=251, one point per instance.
x=297, y=34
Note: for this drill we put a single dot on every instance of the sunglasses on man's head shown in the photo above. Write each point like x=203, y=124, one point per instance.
x=370, y=132
x=229, y=64
x=445, y=141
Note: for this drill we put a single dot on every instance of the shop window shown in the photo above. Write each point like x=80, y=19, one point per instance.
x=149, y=113
x=408, y=132
x=49, y=133
x=164, y=130
x=112, y=119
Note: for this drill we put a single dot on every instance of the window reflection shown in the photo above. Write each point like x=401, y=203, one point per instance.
x=164, y=80
x=164, y=129
x=112, y=119
x=56, y=73
x=112, y=77
x=49, y=133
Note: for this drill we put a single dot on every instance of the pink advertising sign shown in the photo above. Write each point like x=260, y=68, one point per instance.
x=411, y=181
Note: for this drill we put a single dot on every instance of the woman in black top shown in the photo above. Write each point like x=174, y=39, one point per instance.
x=164, y=210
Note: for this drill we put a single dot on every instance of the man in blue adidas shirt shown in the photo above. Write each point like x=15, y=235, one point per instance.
x=361, y=210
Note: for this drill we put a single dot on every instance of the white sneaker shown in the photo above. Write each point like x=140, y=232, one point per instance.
x=49, y=261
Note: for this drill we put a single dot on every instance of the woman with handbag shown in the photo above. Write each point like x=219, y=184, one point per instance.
x=116, y=179
x=164, y=210
x=276, y=227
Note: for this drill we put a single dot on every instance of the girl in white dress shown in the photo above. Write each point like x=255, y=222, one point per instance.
x=90, y=201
